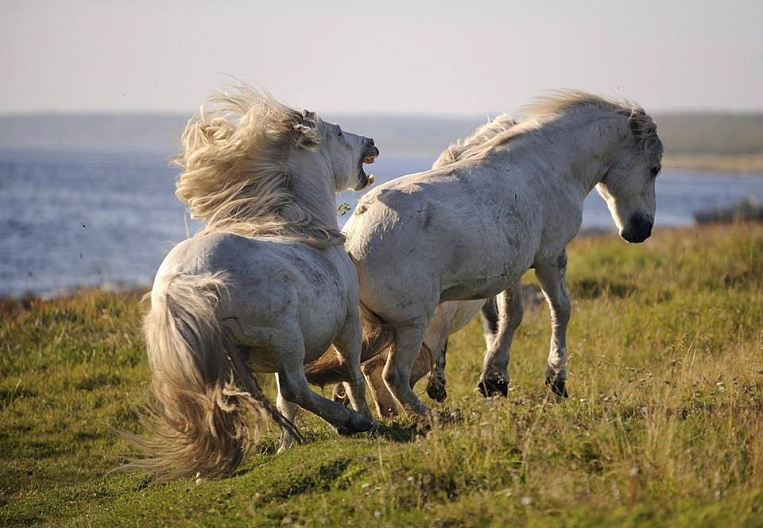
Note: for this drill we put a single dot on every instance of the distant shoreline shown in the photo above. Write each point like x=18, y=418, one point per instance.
x=10, y=302
x=703, y=141
x=748, y=164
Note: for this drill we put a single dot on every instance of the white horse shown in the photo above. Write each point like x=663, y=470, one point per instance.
x=470, y=230
x=266, y=286
x=448, y=318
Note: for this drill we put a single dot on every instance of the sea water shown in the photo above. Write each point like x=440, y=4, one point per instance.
x=72, y=219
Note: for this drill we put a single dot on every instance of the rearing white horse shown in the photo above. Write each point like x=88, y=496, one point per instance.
x=265, y=287
x=470, y=230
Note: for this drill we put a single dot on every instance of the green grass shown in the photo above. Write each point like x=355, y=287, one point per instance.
x=664, y=426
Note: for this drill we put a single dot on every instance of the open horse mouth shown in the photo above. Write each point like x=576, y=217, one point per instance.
x=369, y=156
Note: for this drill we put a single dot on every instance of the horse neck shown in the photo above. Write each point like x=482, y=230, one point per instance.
x=581, y=148
x=313, y=187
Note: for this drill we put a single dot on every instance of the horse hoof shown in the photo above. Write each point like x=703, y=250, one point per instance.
x=494, y=387
x=558, y=387
x=356, y=424
x=340, y=395
x=436, y=390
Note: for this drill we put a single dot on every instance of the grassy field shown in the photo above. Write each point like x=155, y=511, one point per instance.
x=663, y=427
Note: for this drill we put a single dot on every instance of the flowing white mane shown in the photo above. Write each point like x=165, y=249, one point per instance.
x=489, y=130
x=558, y=104
x=566, y=102
x=235, y=167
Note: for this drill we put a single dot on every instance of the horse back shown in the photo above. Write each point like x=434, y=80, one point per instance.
x=455, y=234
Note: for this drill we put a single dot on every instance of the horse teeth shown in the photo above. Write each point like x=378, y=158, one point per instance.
x=369, y=159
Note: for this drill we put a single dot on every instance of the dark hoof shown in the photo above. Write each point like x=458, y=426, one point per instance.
x=494, y=387
x=356, y=424
x=558, y=387
x=340, y=396
x=436, y=389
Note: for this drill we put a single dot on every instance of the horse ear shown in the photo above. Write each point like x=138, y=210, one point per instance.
x=643, y=128
x=307, y=133
x=641, y=125
x=636, y=123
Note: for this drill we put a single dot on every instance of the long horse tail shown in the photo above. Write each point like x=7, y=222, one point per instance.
x=331, y=368
x=205, y=398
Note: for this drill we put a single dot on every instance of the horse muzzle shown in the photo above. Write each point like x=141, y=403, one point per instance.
x=638, y=228
x=370, y=153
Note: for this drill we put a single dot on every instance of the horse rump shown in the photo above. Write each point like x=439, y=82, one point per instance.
x=205, y=396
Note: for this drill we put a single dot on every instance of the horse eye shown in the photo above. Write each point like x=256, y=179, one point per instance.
x=655, y=171
x=339, y=134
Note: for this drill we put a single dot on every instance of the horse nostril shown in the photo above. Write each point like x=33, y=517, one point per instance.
x=639, y=228
x=644, y=224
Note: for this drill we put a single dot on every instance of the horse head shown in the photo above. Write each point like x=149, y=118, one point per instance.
x=628, y=185
x=344, y=152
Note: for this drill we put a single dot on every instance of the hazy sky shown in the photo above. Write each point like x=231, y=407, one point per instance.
x=461, y=57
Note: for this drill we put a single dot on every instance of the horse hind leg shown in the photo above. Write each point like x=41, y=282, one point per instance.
x=288, y=350
x=385, y=403
x=436, y=383
x=499, y=334
x=289, y=411
x=386, y=406
x=348, y=346
x=397, y=372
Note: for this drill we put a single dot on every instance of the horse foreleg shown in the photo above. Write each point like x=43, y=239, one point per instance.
x=490, y=318
x=509, y=308
x=552, y=279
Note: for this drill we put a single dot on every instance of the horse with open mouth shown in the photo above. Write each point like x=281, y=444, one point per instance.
x=266, y=286
x=471, y=229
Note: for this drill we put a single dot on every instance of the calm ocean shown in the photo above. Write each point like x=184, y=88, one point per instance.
x=71, y=219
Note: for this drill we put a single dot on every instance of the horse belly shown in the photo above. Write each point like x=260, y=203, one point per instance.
x=475, y=289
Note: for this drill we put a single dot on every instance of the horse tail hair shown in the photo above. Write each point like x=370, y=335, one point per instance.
x=330, y=367
x=205, y=397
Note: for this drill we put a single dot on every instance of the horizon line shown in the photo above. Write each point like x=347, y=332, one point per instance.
x=365, y=113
